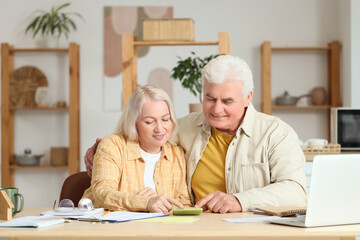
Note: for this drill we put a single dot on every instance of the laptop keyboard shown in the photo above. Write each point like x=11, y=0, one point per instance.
x=297, y=220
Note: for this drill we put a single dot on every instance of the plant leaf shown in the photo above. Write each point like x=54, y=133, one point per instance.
x=61, y=7
x=188, y=72
x=53, y=22
x=32, y=24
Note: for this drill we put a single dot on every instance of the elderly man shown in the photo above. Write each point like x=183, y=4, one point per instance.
x=237, y=158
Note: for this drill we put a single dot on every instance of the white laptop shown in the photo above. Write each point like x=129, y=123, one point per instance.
x=334, y=196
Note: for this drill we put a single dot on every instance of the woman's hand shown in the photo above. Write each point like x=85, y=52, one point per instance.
x=162, y=203
x=147, y=192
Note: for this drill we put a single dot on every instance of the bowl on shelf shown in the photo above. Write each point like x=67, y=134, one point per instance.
x=288, y=100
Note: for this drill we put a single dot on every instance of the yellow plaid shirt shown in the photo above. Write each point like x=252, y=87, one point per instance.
x=118, y=174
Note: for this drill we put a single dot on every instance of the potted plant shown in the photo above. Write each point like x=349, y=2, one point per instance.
x=188, y=72
x=53, y=23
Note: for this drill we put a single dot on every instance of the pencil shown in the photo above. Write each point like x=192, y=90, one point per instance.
x=106, y=212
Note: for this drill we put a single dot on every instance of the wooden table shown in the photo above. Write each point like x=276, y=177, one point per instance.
x=208, y=226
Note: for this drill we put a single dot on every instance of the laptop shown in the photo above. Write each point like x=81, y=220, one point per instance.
x=334, y=196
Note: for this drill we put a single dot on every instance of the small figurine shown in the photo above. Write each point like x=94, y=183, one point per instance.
x=6, y=206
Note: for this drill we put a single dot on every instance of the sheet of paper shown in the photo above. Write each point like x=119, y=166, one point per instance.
x=170, y=219
x=73, y=213
x=251, y=220
x=120, y=216
x=32, y=222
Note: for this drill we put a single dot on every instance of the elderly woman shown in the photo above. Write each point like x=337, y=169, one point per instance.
x=137, y=168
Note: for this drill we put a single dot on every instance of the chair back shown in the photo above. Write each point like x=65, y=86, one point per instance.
x=74, y=187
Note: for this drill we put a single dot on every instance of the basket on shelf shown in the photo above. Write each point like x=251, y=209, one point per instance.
x=322, y=149
x=59, y=156
x=24, y=82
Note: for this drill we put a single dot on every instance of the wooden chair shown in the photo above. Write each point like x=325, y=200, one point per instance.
x=74, y=186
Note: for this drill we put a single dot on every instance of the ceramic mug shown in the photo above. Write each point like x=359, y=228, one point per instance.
x=16, y=198
x=318, y=142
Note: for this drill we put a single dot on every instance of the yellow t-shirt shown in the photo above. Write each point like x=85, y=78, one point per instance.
x=209, y=175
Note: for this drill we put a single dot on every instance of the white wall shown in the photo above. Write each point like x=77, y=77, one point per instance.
x=355, y=53
x=283, y=22
x=345, y=38
x=350, y=38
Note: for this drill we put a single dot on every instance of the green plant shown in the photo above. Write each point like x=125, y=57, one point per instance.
x=52, y=23
x=188, y=72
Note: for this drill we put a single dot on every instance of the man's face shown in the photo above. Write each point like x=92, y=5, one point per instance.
x=224, y=105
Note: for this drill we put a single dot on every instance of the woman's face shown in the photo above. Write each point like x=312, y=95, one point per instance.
x=154, y=125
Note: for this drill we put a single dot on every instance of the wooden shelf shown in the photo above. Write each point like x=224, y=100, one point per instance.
x=172, y=43
x=301, y=48
x=301, y=107
x=39, y=50
x=8, y=109
x=129, y=57
x=39, y=108
x=35, y=166
x=333, y=49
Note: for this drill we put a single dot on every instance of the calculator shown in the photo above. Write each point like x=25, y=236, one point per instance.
x=187, y=211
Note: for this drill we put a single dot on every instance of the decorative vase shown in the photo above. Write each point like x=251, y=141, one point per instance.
x=195, y=107
x=48, y=41
x=318, y=96
x=41, y=95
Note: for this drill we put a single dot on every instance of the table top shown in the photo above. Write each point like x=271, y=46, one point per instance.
x=207, y=226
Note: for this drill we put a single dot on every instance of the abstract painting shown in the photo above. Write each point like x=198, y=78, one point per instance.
x=128, y=19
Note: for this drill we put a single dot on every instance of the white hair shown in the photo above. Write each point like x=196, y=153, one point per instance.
x=228, y=68
x=132, y=111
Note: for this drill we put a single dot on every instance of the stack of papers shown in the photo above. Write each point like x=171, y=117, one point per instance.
x=73, y=213
x=32, y=222
x=97, y=215
x=119, y=216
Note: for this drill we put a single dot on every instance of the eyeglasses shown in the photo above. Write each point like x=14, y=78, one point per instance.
x=67, y=205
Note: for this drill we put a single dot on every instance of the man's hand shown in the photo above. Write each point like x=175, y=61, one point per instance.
x=219, y=202
x=89, y=156
x=147, y=192
x=162, y=203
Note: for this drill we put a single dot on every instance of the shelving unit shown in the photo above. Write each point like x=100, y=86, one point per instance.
x=8, y=165
x=129, y=56
x=333, y=50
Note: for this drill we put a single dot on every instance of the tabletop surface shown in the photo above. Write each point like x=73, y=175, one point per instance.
x=207, y=226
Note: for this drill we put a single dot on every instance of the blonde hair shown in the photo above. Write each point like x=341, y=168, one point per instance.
x=132, y=111
x=228, y=68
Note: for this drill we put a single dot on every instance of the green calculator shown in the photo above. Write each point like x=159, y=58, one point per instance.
x=187, y=211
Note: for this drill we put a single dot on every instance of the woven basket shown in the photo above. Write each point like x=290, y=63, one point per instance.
x=23, y=84
x=59, y=156
x=322, y=149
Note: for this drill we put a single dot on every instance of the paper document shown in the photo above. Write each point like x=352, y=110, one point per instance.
x=73, y=213
x=251, y=220
x=120, y=216
x=32, y=222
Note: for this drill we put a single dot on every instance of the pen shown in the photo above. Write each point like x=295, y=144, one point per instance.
x=106, y=212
